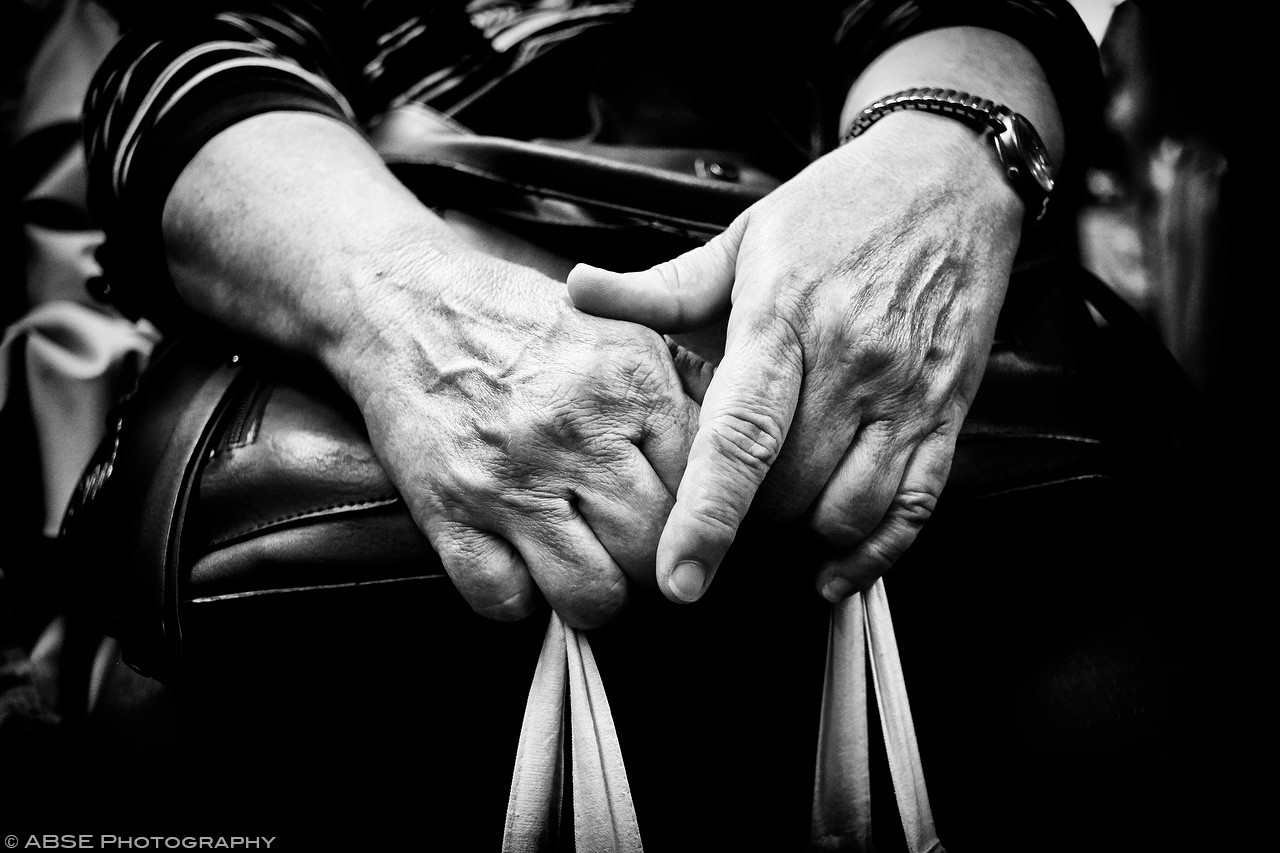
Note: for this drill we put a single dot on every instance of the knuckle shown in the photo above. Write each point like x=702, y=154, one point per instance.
x=467, y=486
x=874, y=352
x=913, y=507
x=595, y=603
x=514, y=607
x=530, y=509
x=880, y=554
x=782, y=334
x=486, y=573
x=839, y=530
x=455, y=544
x=564, y=416
x=648, y=375
x=747, y=437
x=909, y=512
x=669, y=273
x=717, y=521
x=797, y=305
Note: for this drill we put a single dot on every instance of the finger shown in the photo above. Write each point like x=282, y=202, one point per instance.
x=743, y=424
x=572, y=569
x=695, y=371
x=684, y=293
x=912, y=505
x=625, y=505
x=488, y=572
x=855, y=499
x=822, y=434
x=670, y=425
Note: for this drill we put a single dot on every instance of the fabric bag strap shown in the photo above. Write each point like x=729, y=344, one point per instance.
x=604, y=816
x=841, y=819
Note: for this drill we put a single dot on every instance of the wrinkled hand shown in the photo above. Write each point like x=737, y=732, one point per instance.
x=863, y=295
x=539, y=448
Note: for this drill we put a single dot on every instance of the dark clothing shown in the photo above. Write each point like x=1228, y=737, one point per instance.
x=657, y=73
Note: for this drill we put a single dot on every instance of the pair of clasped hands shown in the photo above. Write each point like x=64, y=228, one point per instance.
x=577, y=457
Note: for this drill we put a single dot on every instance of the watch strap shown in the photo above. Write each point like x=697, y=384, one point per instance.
x=979, y=113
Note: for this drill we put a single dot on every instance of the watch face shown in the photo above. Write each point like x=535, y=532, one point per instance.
x=1033, y=150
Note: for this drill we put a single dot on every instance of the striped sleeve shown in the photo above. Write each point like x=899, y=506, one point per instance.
x=172, y=83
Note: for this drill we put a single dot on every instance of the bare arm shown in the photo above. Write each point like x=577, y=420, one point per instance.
x=288, y=227
x=982, y=62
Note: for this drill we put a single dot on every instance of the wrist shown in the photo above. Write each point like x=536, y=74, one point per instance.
x=288, y=229
x=393, y=309
x=946, y=164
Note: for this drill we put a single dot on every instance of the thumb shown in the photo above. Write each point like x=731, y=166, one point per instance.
x=684, y=293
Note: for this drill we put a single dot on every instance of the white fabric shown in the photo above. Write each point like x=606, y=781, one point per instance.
x=72, y=355
x=841, y=818
x=604, y=817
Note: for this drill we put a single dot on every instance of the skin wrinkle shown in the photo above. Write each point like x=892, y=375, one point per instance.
x=570, y=418
x=581, y=410
x=513, y=608
x=802, y=314
x=468, y=544
x=755, y=440
x=648, y=392
x=776, y=331
x=720, y=517
x=536, y=501
x=671, y=274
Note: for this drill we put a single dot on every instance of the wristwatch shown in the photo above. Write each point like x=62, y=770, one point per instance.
x=1020, y=150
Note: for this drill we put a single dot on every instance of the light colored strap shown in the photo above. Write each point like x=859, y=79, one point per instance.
x=899, y=730
x=533, y=808
x=604, y=817
x=841, y=782
x=841, y=806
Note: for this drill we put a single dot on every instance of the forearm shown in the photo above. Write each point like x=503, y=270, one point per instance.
x=981, y=62
x=287, y=227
